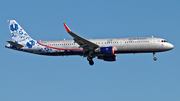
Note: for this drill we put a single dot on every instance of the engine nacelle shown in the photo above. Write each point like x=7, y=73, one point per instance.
x=105, y=50
x=108, y=57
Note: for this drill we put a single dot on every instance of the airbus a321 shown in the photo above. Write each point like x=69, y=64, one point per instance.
x=105, y=49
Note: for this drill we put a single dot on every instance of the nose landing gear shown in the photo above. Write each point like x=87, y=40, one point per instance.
x=154, y=56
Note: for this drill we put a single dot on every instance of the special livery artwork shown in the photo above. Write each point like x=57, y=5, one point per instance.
x=19, y=36
x=105, y=49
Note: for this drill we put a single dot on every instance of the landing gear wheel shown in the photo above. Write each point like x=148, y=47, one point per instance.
x=154, y=58
x=91, y=62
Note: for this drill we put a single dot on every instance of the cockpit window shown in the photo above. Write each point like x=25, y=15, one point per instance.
x=164, y=41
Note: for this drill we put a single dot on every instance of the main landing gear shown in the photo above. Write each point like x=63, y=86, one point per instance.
x=90, y=58
x=91, y=62
x=154, y=56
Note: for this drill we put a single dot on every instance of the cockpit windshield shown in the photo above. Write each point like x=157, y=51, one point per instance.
x=164, y=41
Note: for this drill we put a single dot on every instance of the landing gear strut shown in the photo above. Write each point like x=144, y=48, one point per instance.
x=154, y=56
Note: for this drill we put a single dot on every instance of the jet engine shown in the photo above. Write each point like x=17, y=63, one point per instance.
x=105, y=50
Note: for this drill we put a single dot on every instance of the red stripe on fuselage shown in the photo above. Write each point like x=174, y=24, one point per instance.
x=59, y=48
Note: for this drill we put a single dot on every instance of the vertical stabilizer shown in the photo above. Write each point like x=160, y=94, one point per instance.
x=19, y=35
x=17, y=32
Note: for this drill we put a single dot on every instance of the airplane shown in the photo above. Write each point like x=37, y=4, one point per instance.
x=105, y=49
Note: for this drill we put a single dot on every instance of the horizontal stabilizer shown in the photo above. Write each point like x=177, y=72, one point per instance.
x=15, y=44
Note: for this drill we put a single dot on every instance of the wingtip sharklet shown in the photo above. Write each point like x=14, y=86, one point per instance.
x=67, y=28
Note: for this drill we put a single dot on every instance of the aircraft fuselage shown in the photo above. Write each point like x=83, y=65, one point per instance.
x=121, y=45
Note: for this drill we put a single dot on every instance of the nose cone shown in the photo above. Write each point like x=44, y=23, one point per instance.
x=170, y=46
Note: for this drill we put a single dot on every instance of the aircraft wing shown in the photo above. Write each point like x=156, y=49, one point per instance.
x=85, y=44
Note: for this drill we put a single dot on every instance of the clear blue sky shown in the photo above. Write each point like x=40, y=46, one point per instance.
x=133, y=77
